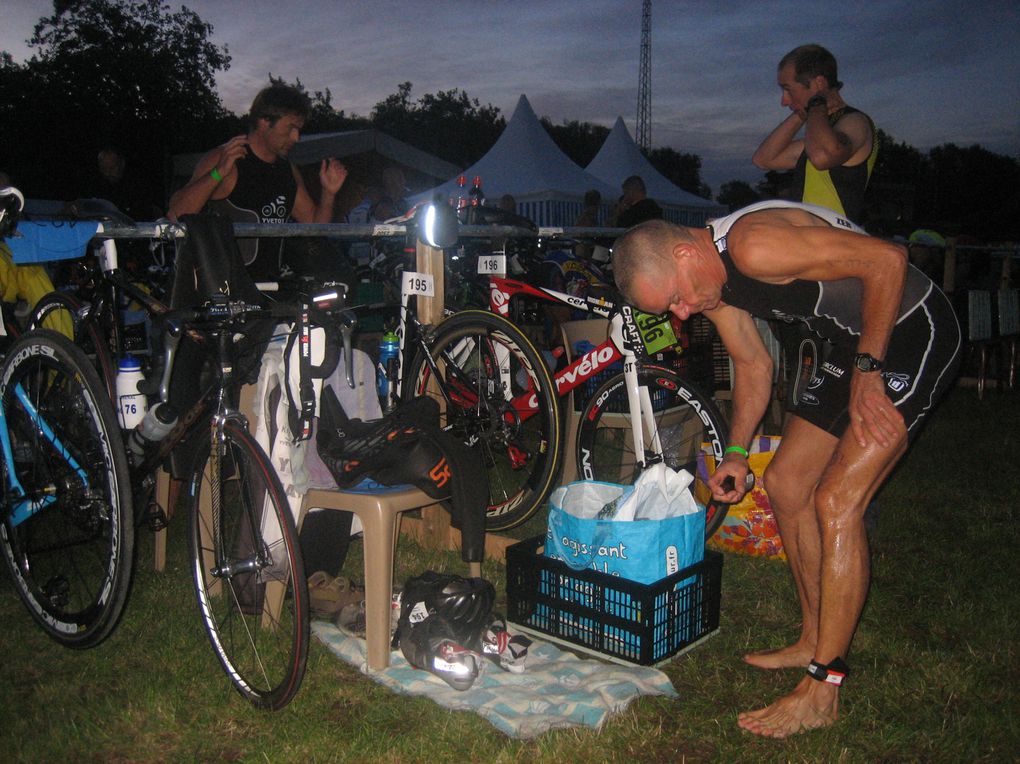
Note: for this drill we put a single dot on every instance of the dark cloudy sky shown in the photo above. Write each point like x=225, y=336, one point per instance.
x=928, y=71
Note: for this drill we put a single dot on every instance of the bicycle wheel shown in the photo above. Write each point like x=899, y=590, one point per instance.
x=689, y=425
x=71, y=558
x=66, y=315
x=247, y=567
x=521, y=449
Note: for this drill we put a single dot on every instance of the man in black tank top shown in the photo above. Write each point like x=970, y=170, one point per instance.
x=250, y=179
x=834, y=158
x=896, y=350
x=831, y=162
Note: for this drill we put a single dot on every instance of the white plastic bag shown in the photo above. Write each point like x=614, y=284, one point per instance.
x=659, y=493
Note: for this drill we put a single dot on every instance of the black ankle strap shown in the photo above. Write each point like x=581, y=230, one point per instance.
x=834, y=673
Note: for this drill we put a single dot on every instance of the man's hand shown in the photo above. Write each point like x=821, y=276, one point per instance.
x=230, y=152
x=872, y=415
x=332, y=174
x=732, y=466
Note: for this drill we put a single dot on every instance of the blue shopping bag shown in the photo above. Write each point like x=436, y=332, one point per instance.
x=642, y=532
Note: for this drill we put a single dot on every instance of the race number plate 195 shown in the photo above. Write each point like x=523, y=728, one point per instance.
x=418, y=283
x=656, y=332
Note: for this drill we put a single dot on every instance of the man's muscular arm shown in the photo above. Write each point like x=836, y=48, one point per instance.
x=203, y=186
x=781, y=149
x=829, y=146
x=780, y=246
x=752, y=390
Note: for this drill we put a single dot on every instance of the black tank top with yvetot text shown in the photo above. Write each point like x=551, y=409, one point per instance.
x=263, y=193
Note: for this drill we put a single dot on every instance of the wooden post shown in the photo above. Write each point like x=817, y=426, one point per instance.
x=436, y=520
x=949, y=269
x=1007, y=269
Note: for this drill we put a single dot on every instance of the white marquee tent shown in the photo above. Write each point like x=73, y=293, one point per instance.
x=526, y=163
x=620, y=157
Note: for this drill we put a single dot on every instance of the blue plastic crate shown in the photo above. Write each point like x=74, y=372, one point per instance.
x=622, y=620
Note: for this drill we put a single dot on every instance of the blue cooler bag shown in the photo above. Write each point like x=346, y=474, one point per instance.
x=643, y=532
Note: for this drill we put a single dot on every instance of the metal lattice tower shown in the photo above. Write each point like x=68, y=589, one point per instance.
x=644, y=104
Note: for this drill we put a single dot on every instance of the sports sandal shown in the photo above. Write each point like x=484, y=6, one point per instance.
x=351, y=618
x=327, y=595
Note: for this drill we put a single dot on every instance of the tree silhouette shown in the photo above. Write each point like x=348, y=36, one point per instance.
x=736, y=194
x=109, y=72
x=323, y=118
x=680, y=168
x=580, y=141
x=448, y=124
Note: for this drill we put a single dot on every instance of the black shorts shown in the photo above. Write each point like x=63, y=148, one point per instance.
x=920, y=365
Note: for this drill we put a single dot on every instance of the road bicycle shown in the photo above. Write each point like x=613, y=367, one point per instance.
x=634, y=412
x=479, y=366
x=245, y=559
x=97, y=312
x=70, y=460
x=491, y=380
x=67, y=529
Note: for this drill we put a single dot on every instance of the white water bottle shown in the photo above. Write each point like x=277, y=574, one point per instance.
x=131, y=404
x=155, y=426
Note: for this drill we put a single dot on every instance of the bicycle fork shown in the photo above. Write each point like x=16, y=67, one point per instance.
x=642, y=418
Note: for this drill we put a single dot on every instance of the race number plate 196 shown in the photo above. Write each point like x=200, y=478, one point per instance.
x=656, y=331
x=494, y=264
x=418, y=283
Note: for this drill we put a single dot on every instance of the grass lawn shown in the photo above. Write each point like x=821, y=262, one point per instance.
x=936, y=675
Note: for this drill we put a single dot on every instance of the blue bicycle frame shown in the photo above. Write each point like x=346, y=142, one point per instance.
x=23, y=507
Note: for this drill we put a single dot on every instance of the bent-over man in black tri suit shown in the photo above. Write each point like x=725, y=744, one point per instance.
x=896, y=349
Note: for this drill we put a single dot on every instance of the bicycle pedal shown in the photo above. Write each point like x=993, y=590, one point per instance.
x=518, y=457
x=155, y=517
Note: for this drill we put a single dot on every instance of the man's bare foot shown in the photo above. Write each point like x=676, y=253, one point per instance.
x=797, y=655
x=811, y=705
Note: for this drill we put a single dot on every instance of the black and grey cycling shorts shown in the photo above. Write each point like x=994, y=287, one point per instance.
x=920, y=365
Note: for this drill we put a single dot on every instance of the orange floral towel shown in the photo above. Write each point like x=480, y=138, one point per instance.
x=749, y=527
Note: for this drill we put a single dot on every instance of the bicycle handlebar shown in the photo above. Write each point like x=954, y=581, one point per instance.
x=12, y=202
x=225, y=312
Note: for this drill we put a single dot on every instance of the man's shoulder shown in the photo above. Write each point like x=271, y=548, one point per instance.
x=851, y=116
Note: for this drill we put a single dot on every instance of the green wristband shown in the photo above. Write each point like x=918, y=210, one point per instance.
x=215, y=175
x=736, y=450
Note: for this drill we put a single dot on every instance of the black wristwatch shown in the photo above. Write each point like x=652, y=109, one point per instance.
x=867, y=362
x=816, y=100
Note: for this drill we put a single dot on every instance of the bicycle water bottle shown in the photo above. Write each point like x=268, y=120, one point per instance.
x=462, y=201
x=155, y=425
x=389, y=351
x=477, y=199
x=476, y=193
x=131, y=404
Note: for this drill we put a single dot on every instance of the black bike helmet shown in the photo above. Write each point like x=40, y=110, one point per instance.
x=433, y=645
x=464, y=603
x=442, y=620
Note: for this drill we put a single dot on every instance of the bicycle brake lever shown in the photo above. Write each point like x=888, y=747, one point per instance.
x=345, y=334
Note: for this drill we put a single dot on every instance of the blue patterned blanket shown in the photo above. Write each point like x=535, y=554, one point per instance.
x=557, y=689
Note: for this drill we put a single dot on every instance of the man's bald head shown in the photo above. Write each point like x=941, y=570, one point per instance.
x=645, y=251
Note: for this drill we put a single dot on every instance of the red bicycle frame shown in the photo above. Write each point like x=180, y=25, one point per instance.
x=503, y=290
